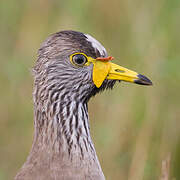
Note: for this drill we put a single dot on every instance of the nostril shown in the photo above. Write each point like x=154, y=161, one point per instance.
x=118, y=70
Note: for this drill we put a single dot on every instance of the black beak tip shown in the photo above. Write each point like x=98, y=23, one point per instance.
x=143, y=80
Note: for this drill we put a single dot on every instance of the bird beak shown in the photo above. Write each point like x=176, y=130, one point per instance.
x=103, y=69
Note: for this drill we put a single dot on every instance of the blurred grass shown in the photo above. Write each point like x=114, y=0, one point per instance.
x=134, y=128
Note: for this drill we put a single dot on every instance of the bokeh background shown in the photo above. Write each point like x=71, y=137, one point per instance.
x=134, y=127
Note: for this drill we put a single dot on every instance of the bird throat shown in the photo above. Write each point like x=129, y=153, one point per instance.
x=64, y=127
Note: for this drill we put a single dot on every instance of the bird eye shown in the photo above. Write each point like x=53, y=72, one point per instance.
x=79, y=59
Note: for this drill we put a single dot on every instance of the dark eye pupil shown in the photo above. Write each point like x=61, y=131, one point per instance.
x=79, y=59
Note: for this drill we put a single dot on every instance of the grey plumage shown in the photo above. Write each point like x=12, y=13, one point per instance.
x=62, y=147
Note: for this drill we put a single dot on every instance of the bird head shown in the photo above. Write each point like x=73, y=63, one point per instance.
x=78, y=65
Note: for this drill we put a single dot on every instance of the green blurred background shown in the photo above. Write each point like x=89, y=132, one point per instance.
x=134, y=127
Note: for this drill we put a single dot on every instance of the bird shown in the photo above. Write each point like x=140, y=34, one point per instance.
x=71, y=68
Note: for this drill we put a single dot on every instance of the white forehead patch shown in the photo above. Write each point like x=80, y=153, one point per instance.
x=97, y=45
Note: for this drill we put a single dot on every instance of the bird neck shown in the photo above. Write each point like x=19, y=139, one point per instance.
x=62, y=132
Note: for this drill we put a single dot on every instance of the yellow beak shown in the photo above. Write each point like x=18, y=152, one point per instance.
x=106, y=70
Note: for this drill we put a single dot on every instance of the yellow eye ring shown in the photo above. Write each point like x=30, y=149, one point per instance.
x=79, y=59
